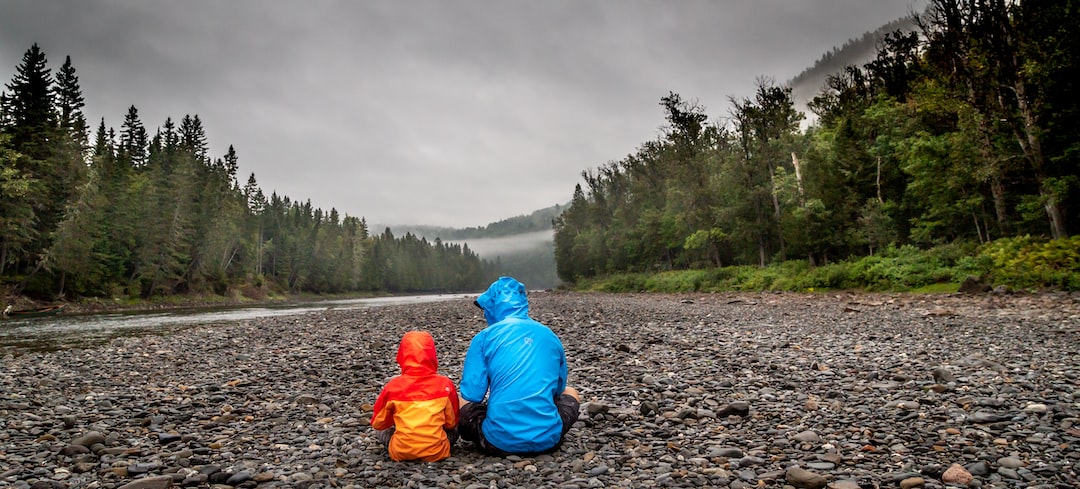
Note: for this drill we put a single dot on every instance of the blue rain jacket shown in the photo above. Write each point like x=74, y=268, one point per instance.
x=520, y=365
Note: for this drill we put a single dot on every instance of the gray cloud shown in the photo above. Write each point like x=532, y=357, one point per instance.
x=426, y=112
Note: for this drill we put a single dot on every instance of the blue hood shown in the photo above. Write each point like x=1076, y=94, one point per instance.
x=505, y=298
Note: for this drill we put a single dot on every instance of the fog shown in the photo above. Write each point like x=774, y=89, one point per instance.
x=489, y=248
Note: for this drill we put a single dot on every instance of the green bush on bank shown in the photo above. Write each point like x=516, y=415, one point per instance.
x=1023, y=263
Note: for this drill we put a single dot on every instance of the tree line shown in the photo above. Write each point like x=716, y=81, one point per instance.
x=135, y=214
x=963, y=131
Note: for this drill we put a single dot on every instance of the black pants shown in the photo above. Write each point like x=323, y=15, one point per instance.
x=384, y=436
x=472, y=415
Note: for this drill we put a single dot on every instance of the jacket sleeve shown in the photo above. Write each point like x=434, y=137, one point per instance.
x=450, y=413
x=564, y=372
x=474, y=374
x=382, y=416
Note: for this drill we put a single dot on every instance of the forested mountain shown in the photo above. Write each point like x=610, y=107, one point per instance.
x=958, y=134
x=855, y=52
x=137, y=213
x=520, y=246
x=539, y=220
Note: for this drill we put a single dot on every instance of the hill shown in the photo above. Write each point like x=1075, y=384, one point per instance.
x=539, y=220
x=521, y=246
x=855, y=52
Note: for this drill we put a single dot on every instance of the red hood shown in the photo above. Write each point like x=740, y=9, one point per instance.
x=416, y=354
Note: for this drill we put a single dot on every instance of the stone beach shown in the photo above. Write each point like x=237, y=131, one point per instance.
x=736, y=391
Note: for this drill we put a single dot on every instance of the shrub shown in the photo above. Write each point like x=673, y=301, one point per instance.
x=1025, y=262
x=1021, y=263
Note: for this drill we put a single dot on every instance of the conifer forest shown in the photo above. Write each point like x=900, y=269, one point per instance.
x=135, y=214
x=962, y=132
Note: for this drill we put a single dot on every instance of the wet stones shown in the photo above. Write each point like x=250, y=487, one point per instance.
x=698, y=390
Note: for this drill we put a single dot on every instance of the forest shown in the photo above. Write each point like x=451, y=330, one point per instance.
x=960, y=137
x=131, y=214
x=958, y=141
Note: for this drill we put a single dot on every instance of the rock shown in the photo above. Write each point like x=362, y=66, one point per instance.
x=89, y=439
x=238, y=478
x=979, y=468
x=956, y=474
x=1036, y=408
x=912, y=483
x=982, y=417
x=649, y=408
x=844, y=484
x=737, y=408
x=593, y=408
x=1010, y=462
x=973, y=285
x=73, y=450
x=167, y=438
x=726, y=452
x=47, y=484
x=804, y=479
x=159, y=482
x=942, y=375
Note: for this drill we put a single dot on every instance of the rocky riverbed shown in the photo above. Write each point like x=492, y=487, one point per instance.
x=687, y=390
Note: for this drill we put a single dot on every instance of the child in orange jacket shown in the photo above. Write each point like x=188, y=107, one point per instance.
x=416, y=414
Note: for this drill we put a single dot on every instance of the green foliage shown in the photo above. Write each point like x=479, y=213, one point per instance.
x=1026, y=262
x=901, y=268
x=1021, y=263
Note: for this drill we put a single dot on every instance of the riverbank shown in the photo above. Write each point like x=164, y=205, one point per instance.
x=90, y=305
x=682, y=390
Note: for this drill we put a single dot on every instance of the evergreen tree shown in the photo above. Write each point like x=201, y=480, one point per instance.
x=69, y=100
x=29, y=105
x=16, y=206
x=134, y=140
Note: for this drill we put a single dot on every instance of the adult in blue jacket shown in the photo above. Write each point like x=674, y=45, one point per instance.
x=519, y=366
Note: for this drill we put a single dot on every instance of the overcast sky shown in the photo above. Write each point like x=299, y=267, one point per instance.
x=452, y=113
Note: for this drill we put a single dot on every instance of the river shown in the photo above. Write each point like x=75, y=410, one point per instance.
x=85, y=330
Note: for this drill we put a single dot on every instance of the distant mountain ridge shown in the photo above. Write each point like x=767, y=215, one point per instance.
x=855, y=52
x=539, y=220
x=521, y=246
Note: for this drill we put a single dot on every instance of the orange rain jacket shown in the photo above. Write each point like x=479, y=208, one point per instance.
x=419, y=403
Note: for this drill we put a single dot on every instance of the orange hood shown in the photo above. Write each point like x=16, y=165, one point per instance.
x=416, y=354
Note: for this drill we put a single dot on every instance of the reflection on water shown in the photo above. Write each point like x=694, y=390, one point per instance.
x=82, y=330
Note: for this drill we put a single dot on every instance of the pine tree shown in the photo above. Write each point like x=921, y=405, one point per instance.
x=193, y=137
x=29, y=107
x=134, y=140
x=69, y=101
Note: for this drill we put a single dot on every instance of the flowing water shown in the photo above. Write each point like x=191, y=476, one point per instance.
x=84, y=330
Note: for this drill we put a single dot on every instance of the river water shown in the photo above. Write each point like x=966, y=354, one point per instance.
x=84, y=330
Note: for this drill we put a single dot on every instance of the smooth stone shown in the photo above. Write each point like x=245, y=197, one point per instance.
x=159, y=482
x=844, y=484
x=804, y=479
x=89, y=439
x=956, y=474
x=912, y=483
x=1011, y=462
